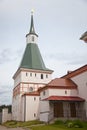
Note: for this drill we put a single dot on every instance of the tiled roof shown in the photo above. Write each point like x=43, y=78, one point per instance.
x=65, y=98
x=76, y=72
x=60, y=83
x=34, y=93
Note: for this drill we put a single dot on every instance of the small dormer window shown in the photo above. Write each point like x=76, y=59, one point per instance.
x=33, y=38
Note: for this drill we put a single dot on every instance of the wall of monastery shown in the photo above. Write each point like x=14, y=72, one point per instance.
x=32, y=108
x=59, y=92
x=81, y=81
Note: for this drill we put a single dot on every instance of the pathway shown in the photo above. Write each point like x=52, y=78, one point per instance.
x=4, y=128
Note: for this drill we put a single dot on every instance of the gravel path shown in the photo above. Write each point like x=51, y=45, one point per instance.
x=4, y=128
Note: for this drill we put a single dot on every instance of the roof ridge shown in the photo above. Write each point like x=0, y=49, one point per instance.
x=75, y=72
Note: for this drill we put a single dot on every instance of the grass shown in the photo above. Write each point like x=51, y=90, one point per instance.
x=66, y=125
x=58, y=125
x=13, y=124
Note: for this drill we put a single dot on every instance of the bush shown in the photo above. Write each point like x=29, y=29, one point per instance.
x=58, y=122
x=78, y=124
x=70, y=125
x=74, y=123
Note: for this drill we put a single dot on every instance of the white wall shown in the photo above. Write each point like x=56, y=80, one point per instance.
x=44, y=111
x=16, y=108
x=25, y=76
x=35, y=79
x=81, y=81
x=6, y=116
x=63, y=92
x=58, y=92
x=17, y=80
x=32, y=108
x=29, y=39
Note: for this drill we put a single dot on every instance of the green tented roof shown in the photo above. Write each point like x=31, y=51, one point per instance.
x=32, y=58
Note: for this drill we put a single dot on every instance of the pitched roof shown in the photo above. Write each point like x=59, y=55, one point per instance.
x=32, y=58
x=76, y=72
x=60, y=83
x=65, y=98
x=34, y=93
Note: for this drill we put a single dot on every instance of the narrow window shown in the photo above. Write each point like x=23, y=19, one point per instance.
x=26, y=74
x=30, y=74
x=34, y=114
x=65, y=92
x=33, y=38
x=46, y=76
x=44, y=93
x=34, y=98
x=35, y=74
x=41, y=76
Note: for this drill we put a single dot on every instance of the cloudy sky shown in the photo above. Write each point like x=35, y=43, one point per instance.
x=59, y=24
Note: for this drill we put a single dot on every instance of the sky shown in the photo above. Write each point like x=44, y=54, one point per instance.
x=59, y=24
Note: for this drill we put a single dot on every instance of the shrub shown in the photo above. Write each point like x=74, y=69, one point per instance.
x=70, y=125
x=78, y=124
x=58, y=122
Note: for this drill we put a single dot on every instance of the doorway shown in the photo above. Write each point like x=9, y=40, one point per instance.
x=58, y=109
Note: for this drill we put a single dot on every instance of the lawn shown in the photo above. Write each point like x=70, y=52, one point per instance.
x=50, y=127
x=58, y=125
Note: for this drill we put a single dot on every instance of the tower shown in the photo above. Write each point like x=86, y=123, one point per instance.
x=30, y=76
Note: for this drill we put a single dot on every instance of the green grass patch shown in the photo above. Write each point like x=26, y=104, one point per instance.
x=58, y=125
x=47, y=127
x=13, y=124
x=63, y=125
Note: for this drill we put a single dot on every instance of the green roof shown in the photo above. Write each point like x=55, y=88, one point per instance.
x=32, y=58
x=32, y=30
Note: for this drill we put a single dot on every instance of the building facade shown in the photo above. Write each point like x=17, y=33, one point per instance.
x=65, y=97
x=37, y=96
x=30, y=76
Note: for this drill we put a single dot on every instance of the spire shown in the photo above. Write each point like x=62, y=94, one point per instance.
x=31, y=37
x=32, y=30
